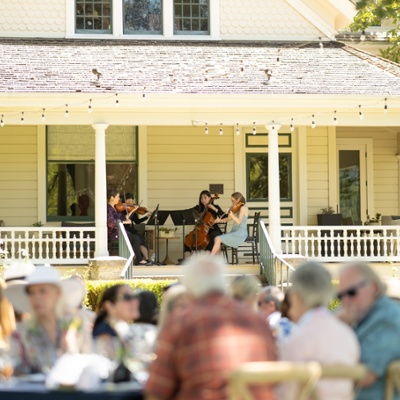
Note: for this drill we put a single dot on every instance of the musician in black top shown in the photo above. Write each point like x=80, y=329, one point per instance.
x=205, y=200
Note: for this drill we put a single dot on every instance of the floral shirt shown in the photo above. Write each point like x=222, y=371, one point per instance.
x=32, y=351
x=113, y=216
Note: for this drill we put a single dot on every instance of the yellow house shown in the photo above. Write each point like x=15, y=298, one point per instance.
x=167, y=98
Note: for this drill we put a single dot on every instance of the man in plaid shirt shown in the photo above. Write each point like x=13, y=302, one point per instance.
x=201, y=345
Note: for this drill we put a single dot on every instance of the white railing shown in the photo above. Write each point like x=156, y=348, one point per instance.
x=126, y=251
x=342, y=243
x=276, y=270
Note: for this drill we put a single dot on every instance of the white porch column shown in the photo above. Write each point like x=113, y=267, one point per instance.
x=101, y=248
x=274, y=210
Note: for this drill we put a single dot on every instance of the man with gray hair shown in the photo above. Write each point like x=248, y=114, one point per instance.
x=376, y=322
x=320, y=336
x=269, y=304
x=199, y=346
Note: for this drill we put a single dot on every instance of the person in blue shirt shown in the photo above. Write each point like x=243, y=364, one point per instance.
x=376, y=321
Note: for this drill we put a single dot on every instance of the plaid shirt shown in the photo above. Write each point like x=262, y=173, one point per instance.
x=201, y=345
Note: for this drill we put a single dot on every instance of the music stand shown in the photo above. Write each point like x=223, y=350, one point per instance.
x=183, y=218
x=157, y=218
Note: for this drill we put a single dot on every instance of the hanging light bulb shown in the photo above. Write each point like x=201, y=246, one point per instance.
x=90, y=106
x=237, y=129
x=334, y=118
x=22, y=118
x=116, y=100
x=385, y=107
x=291, y=126
x=2, y=120
x=278, y=57
x=43, y=116
x=360, y=113
x=206, y=129
x=321, y=46
x=144, y=96
x=362, y=36
x=313, y=122
x=66, y=111
x=221, y=132
x=254, y=129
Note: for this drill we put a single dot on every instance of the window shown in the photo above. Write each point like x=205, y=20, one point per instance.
x=257, y=176
x=71, y=168
x=142, y=16
x=191, y=17
x=93, y=16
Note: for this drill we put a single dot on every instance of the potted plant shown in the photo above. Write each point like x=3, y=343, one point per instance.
x=37, y=224
x=167, y=232
x=374, y=220
x=328, y=217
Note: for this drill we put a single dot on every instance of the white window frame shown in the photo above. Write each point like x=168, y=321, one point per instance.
x=168, y=24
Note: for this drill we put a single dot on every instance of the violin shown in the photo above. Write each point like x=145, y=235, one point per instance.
x=129, y=207
x=235, y=207
x=201, y=231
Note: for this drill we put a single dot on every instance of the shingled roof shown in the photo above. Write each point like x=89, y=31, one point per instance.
x=65, y=66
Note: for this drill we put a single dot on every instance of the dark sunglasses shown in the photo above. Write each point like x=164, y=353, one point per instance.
x=351, y=292
x=127, y=297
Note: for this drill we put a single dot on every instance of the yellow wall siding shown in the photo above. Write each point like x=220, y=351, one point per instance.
x=18, y=175
x=386, y=165
x=317, y=167
x=183, y=161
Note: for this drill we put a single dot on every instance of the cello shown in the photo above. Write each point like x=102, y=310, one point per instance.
x=201, y=231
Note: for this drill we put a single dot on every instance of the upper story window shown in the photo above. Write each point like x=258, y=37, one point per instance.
x=191, y=17
x=93, y=16
x=142, y=17
x=147, y=19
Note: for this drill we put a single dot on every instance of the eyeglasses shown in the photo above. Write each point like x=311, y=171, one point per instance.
x=127, y=297
x=351, y=292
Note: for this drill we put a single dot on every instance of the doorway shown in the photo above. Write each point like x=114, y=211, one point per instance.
x=354, y=179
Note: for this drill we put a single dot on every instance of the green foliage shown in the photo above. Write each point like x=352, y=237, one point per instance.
x=95, y=289
x=335, y=302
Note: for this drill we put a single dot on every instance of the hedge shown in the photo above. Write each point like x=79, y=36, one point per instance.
x=95, y=289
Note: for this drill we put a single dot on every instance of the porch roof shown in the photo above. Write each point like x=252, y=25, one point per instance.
x=208, y=68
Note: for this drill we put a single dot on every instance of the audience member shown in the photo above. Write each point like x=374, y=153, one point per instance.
x=245, y=288
x=269, y=304
x=176, y=297
x=39, y=341
x=320, y=336
x=284, y=326
x=376, y=322
x=208, y=339
x=7, y=319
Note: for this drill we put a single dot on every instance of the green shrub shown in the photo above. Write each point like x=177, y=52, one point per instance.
x=95, y=289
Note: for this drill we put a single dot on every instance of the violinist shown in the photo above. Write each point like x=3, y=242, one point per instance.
x=238, y=213
x=205, y=200
x=113, y=216
x=136, y=220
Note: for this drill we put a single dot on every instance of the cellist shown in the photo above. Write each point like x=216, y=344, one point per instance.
x=205, y=200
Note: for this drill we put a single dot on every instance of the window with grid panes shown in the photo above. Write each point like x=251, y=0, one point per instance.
x=93, y=16
x=142, y=16
x=191, y=16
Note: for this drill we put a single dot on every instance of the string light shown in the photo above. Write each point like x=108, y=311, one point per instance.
x=22, y=118
x=278, y=58
x=313, y=122
x=221, y=132
x=90, y=106
x=362, y=36
x=334, y=118
x=254, y=129
x=321, y=46
x=66, y=111
x=2, y=120
x=144, y=96
x=237, y=129
x=206, y=129
x=116, y=100
x=385, y=107
x=291, y=125
x=360, y=112
x=43, y=116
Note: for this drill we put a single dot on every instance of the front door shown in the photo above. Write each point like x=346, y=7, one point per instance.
x=352, y=162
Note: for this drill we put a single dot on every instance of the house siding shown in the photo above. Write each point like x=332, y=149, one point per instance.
x=386, y=165
x=18, y=175
x=183, y=161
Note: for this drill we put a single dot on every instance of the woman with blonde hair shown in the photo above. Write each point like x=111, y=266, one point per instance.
x=7, y=319
x=245, y=288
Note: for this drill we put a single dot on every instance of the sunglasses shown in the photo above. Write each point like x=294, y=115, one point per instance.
x=351, y=292
x=127, y=297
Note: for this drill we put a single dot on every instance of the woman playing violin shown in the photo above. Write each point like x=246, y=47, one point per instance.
x=205, y=200
x=238, y=213
x=134, y=217
x=113, y=216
